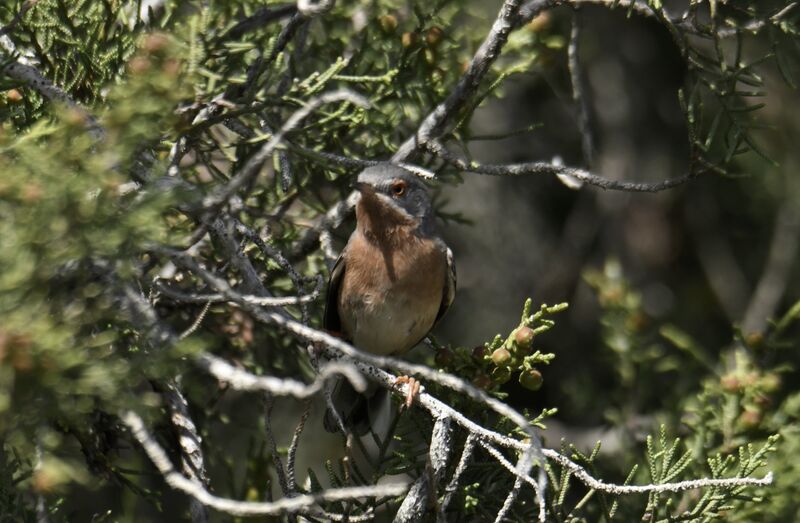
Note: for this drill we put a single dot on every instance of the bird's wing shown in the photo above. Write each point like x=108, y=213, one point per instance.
x=331, y=321
x=449, y=291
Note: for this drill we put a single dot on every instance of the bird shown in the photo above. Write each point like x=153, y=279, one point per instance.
x=393, y=281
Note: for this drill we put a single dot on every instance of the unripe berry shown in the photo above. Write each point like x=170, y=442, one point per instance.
x=155, y=42
x=444, y=357
x=13, y=96
x=770, y=382
x=139, y=65
x=636, y=322
x=754, y=339
x=611, y=295
x=501, y=357
x=524, y=337
x=730, y=383
x=44, y=481
x=388, y=23
x=74, y=116
x=750, y=418
x=763, y=400
x=31, y=192
x=171, y=67
x=531, y=379
x=751, y=378
x=408, y=39
x=434, y=35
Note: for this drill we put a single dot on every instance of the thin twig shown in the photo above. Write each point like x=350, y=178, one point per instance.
x=496, y=454
x=197, y=322
x=263, y=301
x=679, y=486
x=579, y=89
x=223, y=230
x=509, y=501
x=277, y=256
x=332, y=219
x=452, y=486
x=537, y=168
x=269, y=403
x=251, y=85
x=415, y=502
x=292, y=454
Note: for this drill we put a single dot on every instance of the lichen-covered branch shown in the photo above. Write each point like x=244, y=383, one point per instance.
x=433, y=124
x=305, y=503
x=538, y=168
x=239, y=379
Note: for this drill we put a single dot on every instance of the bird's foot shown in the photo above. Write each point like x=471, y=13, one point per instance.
x=411, y=391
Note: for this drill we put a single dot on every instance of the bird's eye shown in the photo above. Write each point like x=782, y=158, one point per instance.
x=398, y=189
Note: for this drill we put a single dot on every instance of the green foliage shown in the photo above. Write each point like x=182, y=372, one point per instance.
x=69, y=238
x=728, y=436
x=726, y=89
x=83, y=46
x=13, y=470
x=494, y=364
x=184, y=98
x=632, y=340
x=731, y=425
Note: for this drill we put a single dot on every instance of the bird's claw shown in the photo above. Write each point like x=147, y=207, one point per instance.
x=411, y=391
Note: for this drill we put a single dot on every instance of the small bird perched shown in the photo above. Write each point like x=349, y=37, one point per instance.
x=392, y=282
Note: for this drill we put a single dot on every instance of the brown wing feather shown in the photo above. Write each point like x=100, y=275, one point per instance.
x=449, y=291
x=331, y=321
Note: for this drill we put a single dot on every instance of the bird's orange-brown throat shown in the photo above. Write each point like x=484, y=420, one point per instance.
x=379, y=221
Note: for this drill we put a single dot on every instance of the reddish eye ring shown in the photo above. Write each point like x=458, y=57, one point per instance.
x=398, y=189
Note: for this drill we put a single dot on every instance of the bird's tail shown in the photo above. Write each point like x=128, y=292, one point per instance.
x=359, y=411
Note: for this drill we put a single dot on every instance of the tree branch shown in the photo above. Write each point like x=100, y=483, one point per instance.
x=242, y=380
x=435, y=123
x=537, y=168
x=304, y=503
x=192, y=463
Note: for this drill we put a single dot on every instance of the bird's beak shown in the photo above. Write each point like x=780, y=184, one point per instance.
x=364, y=188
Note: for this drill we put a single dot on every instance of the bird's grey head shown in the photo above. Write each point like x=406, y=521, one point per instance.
x=400, y=188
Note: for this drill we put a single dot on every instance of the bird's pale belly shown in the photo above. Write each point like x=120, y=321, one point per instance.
x=389, y=325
